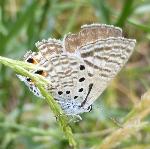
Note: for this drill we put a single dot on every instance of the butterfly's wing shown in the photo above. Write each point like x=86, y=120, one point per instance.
x=104, y=59
x=95, y=61
x=65, y=71
x=103, y=56
x=81, y=67
x=47, y=49
x=90, y=33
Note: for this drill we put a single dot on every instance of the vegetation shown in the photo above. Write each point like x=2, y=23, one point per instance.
x=120, y=117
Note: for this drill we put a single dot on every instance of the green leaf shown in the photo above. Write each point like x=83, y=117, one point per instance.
x=18, y=25
x=102, y=10
x=126, y=12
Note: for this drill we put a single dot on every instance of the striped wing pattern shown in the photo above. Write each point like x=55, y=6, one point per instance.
x=104, y=59
x=88, y=34
x=63, y=71
x=81, y=66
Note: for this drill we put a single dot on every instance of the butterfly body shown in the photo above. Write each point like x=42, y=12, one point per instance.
x=73, y=108
x=80, y=67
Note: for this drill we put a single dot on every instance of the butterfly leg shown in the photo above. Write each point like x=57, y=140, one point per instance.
x=79, y=118
x=75, y=118
x=57, y=116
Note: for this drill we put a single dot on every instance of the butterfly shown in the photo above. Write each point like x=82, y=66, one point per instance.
x=80, y=67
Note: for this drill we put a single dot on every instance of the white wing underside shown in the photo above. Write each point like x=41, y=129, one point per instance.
x=100, y=48
x=104, y=59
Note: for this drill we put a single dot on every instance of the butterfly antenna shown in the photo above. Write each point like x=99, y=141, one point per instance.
x=108, y=115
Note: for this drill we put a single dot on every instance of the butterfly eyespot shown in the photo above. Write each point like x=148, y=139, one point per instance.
x=81, y=79
x=60, y=92
x=82, y=67
x=39, y=72
x=67, y=92
x=28, y=79
x=75, y=97
x=89, y=108
x=81, y=89
x=30, y=60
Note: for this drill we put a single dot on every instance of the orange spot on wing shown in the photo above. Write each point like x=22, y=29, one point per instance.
x=44, y=74
x=35, y=61
x=32, y=60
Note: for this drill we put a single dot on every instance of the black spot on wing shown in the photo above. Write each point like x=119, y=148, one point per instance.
x=81, y=79
x=60, y=92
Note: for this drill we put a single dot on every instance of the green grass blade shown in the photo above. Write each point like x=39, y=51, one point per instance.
x=62, y=120
x=18, y=25
x=102, y=10
x=126, y=12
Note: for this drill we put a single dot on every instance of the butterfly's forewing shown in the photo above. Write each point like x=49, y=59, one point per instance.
x=104, y=59
x=104, y=53
x=90, y=33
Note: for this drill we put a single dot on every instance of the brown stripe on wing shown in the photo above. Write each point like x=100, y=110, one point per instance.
x=47, y=47
x=87, y=54
x=114, y=61
x=90, y=52
x=96, y=66
x=91, y=64
x=121, y=49
x=90, y=33
x=102, y=57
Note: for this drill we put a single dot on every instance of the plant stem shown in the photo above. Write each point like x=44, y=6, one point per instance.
x=40, y=82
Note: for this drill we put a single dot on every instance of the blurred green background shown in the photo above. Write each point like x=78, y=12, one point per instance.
x=25, y=121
